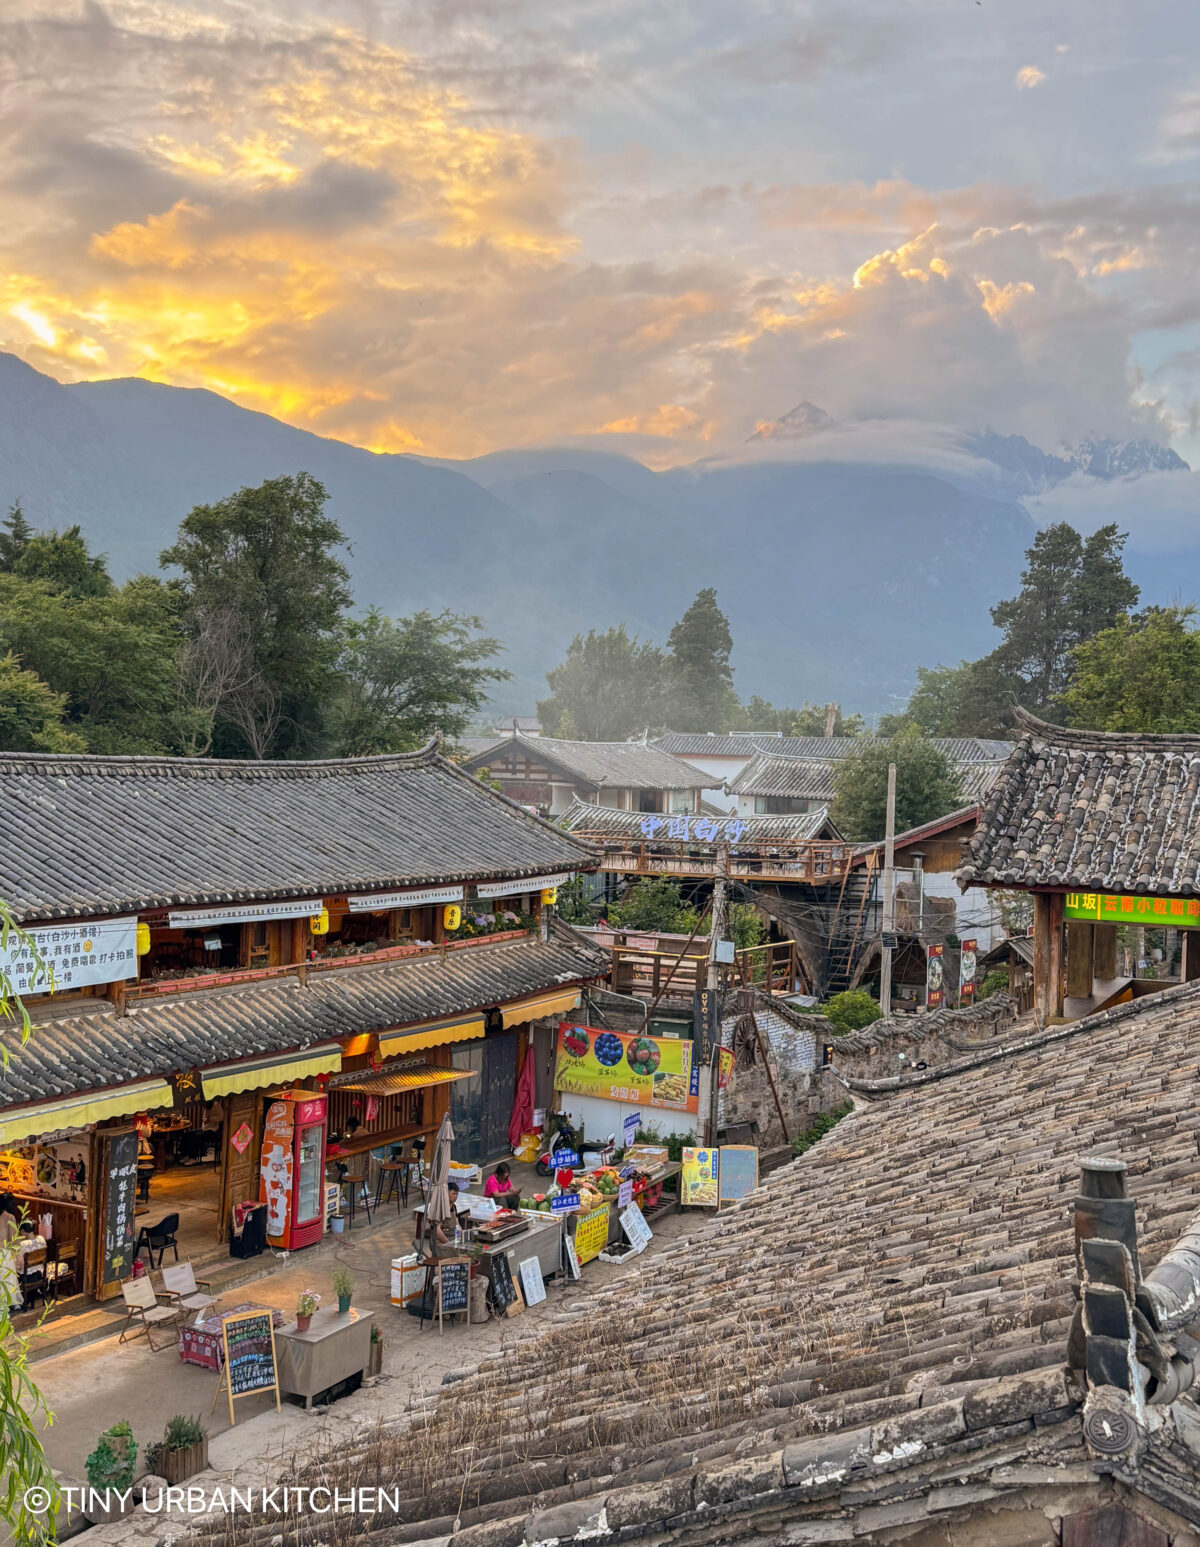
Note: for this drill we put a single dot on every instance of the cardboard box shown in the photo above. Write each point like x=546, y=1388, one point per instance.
x=647, y=1155
x=408, y=1280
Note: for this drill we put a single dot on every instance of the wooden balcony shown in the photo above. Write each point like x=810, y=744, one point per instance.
x=812, y=863
x=647, y=967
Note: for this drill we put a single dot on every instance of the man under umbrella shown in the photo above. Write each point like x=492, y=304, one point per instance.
x=440, y=1209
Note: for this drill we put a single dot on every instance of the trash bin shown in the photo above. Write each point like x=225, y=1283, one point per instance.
x=252, y=1241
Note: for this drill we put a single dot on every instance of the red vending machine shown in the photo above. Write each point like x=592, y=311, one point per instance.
x=292, y=1172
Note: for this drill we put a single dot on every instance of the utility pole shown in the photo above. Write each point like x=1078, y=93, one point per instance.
x=889, y=895
x=713, y=984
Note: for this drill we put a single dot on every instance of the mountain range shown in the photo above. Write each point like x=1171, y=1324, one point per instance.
x=839, y=577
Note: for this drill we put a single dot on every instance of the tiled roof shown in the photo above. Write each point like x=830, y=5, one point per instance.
x=1092, y=810
x=882, y=1317
x=85, y=836
x=812, y=779
x=963, y=749
x=612, y=764
x=96, y=1048
x=602, y=823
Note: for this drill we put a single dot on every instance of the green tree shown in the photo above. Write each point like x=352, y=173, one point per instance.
x=114, y=658
x=609, y=687
x=1102, y=592
x=655, y=905
x=927, y=785
x=64, y=561
x=266, y=555
x=810, y=721
x=402, y=679
x=1039, y=623
x=759, y=714
x=1142, y=674
x=700, y=644
x=852, y=1010
x=15, y=532
x=31, y=714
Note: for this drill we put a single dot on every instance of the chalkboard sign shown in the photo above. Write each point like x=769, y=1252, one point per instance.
x=504, y=1291
x=454, y=1280
x=532, y=1282
x=738, y=1172
x=120, y=1187
x=249, y=1344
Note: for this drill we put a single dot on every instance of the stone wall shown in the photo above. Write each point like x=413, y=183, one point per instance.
x=794, y=1046
x=904, y=1043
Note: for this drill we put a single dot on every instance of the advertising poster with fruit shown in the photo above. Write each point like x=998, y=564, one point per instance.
x=701, y=1178
x=652, y=1071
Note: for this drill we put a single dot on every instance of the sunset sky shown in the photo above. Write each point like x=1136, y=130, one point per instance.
x=445, y=226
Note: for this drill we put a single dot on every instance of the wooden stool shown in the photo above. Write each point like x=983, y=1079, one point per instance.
x=354, y=1182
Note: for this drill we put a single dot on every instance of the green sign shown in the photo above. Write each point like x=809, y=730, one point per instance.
x=1152, y=912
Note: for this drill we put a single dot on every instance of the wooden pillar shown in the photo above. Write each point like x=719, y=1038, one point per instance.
x=1104, y=951
x=1048, y=954
x=1080, y=960
x=1189, y=962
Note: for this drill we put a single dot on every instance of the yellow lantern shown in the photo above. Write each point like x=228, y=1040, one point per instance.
x=143, y=939
x=319, y=922
x=550, y=896
x=451, y=917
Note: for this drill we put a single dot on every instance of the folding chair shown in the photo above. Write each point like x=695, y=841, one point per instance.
x=181, y=1285
x=141, y=1302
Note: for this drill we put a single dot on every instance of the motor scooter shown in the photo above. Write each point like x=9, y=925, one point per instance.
x=563, y=1136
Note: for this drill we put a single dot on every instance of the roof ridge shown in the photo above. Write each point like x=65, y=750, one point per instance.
x=108, y=764
x=1103, y=741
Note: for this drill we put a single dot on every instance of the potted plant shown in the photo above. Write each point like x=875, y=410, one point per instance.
x=343, y=1287
x=306, y=1306
x=110, y=1466
x=182, y=1452
x=375, y=1360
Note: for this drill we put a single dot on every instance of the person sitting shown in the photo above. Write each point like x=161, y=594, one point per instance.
x=436, y=1237
x=500, y=1187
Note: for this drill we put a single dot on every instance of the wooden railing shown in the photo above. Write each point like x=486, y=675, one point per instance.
x=811, y=863
x=647, y=972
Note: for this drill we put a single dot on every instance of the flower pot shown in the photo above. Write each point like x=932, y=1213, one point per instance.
x=343, y=1304
x=179, y=1465
x=303, y=1323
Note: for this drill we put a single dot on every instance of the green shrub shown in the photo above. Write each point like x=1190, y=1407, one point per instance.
x=819, y=1127
x=996, y=982
x=106, y=1467
x=852, y=1010
x=182, y=1431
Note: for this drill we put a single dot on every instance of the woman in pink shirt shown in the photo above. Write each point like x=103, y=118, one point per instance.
x=499, y=1186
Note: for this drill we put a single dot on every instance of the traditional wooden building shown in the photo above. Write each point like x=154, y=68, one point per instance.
x=1102, y=832
x=550, y=774
x=965, y=1318
x=375, y=933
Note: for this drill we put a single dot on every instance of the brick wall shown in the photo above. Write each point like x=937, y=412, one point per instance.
x=793, y=1044
x=904, y=1043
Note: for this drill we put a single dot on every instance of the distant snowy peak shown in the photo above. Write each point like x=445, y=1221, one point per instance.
x=1123, y=458
x=797, y=424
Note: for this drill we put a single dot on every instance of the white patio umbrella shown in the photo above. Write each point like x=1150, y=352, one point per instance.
x=437, y=1206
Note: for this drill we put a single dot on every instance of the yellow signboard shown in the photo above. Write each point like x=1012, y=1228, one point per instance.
x=1156, y=912
x=591, y=1233
x=699, y=1182
x=640, y=1070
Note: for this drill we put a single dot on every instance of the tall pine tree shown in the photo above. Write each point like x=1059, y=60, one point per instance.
x=702, y=695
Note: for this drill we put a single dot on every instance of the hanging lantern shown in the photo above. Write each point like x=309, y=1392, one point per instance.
x=319, y=922
x=549, y=896
x=451, y=917
x=143, y=939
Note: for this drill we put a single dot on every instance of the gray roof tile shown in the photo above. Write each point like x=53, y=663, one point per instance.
x=609, y=764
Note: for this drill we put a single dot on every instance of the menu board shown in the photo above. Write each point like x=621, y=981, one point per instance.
x=454, y=1280
x=699, y=1180
x=504, y=1291
x=120, y=1187
x=532, y=1282
x=637, y=1231
x=591, y=1233
x=648, y=1071
x=249, y=1341
x=738, y=1173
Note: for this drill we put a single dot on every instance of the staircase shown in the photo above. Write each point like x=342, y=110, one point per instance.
x=853, y=924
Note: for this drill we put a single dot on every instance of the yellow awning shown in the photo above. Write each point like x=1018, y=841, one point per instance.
x=378, y=1082
x=274, y=1069
x=543, y=1004
x=86, y=1107
x=433, y=1034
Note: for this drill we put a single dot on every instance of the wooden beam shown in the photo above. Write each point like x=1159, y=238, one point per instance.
x=1080, y=960
x=1048, y=954
x=1104, y=951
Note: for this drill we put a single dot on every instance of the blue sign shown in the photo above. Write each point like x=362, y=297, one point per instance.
x=632, y=1123
x=699, y=829
x=568, y=1200
x=561, y=1158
